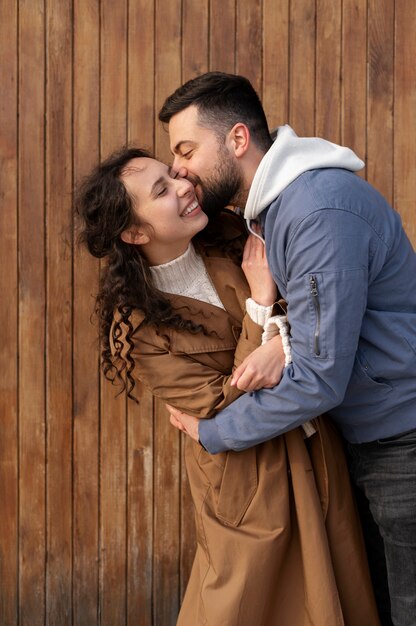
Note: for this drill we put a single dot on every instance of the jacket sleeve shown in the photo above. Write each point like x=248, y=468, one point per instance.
x=326, y=262
x=194, y=382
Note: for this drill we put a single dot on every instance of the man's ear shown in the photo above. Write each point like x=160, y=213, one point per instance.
x=239, y=138
x=135, y=235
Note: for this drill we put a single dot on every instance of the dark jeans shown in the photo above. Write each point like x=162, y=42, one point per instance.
x=385, y=471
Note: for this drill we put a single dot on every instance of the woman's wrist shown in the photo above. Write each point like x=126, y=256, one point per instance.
x=263, y=299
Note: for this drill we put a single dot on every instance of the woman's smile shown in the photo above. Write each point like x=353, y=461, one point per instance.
x=192, y=209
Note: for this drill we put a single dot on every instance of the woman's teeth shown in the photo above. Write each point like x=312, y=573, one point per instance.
x=190, y=208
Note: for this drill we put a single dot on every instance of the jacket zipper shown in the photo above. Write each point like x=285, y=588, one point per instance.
x=317, y=307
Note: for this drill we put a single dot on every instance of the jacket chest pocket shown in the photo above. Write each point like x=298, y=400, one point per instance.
x=233, y=478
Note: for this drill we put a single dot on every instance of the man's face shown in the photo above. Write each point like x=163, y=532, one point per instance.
x=210, y=166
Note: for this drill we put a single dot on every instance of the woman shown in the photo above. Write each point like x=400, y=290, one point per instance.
x=278, y=540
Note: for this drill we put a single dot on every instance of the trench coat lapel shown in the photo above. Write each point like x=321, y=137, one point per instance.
x=229, y=284
x=225, y=323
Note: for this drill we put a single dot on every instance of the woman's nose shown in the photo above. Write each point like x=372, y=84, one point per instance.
x=184, y=186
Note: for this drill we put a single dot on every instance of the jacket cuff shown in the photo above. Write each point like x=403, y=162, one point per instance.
x=209, y=437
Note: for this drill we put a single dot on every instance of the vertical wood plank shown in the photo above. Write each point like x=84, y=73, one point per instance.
x=140, y=511
x=113, y=118
x=59, y=313
x=276, y=62
x=32, y=295
x=141, y=84
x=141, y=129
x=249, y=42
x=167, y=516
x=222, y=35
x=187, y=526
x=8, y=315
x=328, y=70
x=380, y=96
x=354, y=76
x=194, y=38
x=166, y=443
x=85, y=335
x=302, y=67
x=405, y=116
x=167, y=65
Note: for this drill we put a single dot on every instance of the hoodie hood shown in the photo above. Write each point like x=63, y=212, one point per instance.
x=288, y=157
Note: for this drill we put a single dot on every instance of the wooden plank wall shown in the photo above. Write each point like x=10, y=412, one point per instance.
x=96, y=523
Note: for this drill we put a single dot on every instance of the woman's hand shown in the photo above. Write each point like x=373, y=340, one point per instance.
x=257, y=273
x=262, y=368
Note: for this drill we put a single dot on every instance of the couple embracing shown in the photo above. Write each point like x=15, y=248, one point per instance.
x=260, y=342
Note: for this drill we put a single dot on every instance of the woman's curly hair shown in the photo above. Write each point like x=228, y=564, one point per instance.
x=105, y=209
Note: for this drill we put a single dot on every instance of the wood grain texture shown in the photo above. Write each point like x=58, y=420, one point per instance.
x=275, y=61
x=354, y=76
x=97, y=521
x=58, y=178
x=168, y=58
x=8, y=315
x=404, y=120
x=113, y=422
x=86, y=407
x=380, y=61
x=32, y=315
x=249, y=42
x=328, y=70
x=222, y=36
x=302, y=63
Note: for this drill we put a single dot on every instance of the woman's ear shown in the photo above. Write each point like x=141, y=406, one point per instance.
x=135, y=235
x=239, y=138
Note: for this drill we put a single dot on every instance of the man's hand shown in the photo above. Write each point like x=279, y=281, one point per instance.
x=186, y=423
x=262, y=368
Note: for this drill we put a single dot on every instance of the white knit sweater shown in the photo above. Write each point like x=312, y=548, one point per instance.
x=186, y=276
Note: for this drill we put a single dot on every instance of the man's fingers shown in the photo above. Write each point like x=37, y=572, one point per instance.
x=172, y=410
x=176, y=423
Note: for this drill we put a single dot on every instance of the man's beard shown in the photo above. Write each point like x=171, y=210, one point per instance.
x=222, y=187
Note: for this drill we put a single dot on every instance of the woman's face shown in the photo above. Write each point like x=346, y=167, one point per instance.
x=168, y=212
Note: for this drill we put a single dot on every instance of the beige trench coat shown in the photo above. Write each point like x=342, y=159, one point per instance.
x=278, y=538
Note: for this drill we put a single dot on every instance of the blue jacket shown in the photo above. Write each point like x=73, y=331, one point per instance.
x=341, y=259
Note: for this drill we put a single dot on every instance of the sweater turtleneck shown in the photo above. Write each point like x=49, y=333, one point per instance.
x=186, y=276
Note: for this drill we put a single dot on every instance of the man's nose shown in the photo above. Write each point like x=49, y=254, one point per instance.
x=183, y=172
x=177, y=165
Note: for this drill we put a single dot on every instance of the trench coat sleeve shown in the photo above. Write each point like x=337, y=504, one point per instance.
x=196, y=381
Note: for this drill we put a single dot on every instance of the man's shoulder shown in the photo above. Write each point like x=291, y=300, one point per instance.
x=328, y=189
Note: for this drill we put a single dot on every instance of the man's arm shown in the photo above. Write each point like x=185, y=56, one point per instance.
x=327, y=293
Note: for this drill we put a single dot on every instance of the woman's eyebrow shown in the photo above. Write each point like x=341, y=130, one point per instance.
x=157, y=182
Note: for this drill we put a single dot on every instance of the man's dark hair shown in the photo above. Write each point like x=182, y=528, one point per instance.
x=222, y=101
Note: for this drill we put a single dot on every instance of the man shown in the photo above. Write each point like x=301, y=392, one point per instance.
x=341, y=259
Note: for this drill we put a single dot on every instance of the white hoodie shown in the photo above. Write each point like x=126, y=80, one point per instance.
x=288, y=157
